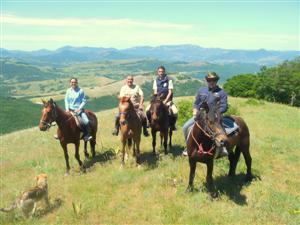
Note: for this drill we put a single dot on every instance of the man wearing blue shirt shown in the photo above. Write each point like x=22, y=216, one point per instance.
x=207, y=94
x=75, y=101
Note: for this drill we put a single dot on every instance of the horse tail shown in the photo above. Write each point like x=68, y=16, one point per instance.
x=129, y=142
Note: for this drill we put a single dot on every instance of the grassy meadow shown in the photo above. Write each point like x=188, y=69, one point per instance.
x=155, y=192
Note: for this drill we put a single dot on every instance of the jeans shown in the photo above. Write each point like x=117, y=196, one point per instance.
x=186, y=127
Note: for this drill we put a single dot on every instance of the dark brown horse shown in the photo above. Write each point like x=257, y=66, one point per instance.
x=159, y=121
x=68, y=132
x=206, y=138
x=131, y=128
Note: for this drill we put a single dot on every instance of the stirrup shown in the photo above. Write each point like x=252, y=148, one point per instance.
x=87, y=137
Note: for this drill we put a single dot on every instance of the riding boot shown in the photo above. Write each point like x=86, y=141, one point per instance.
x=117, y=127
x=145, y=131
x=87, y=132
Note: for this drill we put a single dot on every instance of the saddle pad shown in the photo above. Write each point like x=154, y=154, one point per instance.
x=228, y=122
x=78, y=120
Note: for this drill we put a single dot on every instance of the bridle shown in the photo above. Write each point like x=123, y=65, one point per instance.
x=210, y=134
x=51, y=119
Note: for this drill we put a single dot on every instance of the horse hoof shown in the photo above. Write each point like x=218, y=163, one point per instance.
x=86, y=155
x=67, y=174
x=249, y=178
x=189, y=189
x=214, y=195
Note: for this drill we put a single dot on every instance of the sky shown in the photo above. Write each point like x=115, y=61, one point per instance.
x=243, y=24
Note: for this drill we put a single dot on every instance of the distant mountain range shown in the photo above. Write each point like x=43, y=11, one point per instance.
x=188, y=53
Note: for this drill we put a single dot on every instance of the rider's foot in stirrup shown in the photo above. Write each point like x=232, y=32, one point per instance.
x=146, y=133
x=88, y=137
x=115, y=132
x=184, y=153
x=223, y=153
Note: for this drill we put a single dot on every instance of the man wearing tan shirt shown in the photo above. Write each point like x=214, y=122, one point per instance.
x=137, y=98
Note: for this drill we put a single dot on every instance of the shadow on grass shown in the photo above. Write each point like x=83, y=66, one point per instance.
x=232, y=186
x=149, y=159
x=102, y=157
x=176, y=150
x=53, y=206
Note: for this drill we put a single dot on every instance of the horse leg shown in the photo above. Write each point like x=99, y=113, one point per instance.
x=86, y=154
x=233, y=159
x=165, y=137
x=123, y=152
x=137, y=143
x=192, y=163
x=64, y=146
x=134, y=149
x=153, y=133
x=248, y=160
x=92, y=145
x=77, y=156
x=209, y=178
x=170, y=137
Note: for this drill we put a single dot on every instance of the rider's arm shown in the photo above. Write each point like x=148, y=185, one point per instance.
x=170, y=91
x=154, y=87
x=67, y=100
x=223, y=102
x=83, y=100
x=141, y=93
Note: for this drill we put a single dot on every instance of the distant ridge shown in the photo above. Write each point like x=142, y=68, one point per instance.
x=187, y=53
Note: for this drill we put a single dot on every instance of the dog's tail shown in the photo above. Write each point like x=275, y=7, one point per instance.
x=10, y=208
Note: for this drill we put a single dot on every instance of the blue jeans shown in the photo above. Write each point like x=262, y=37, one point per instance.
x=186, y=127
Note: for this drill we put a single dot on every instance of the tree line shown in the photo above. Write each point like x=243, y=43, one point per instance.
x=277, y=84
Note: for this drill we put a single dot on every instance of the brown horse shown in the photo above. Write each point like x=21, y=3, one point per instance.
x=68, y=132
x=206, y=138
x=159, y=121
x=131, y=128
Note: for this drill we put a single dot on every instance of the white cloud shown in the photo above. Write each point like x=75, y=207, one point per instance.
x=75, y=22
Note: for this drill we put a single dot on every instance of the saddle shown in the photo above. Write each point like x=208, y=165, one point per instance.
x=78, y=120
x=229, y=124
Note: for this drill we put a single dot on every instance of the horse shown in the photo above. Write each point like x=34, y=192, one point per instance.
x=159, y=121
x=206, y=138
x=130, y=127
x=68, y=131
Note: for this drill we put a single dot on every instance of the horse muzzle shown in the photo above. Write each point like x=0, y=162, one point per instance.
x=123, y=122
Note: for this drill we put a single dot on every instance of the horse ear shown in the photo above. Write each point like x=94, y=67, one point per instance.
x=51, y=100
x=204, y=106
x=43, y=101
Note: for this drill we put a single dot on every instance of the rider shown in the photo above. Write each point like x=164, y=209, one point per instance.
x=137, y=98
x=163, y=87
x=75, y=101
x=207, y=94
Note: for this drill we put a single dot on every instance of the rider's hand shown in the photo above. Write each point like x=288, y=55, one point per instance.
x=165, y=102
x=77, y=110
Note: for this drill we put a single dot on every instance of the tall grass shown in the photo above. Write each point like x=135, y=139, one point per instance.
x=155, y=193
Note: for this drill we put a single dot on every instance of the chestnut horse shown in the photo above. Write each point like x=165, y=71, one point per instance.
x=131, y=128
x=68, y=131
x=206, y=138
x=159, y=121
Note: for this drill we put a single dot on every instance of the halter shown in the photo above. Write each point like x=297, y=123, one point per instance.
x=210, y=136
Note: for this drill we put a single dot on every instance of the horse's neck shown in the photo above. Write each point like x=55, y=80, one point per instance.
x=62, y=117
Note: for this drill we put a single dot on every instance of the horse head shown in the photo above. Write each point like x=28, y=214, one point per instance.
x=209, y=119
x=49, y=115
x=125, y=105
x=157, y=108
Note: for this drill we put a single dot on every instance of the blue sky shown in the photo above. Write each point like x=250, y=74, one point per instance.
x=248, y=24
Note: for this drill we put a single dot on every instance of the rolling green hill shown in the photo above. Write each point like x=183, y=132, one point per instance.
x=155, y=193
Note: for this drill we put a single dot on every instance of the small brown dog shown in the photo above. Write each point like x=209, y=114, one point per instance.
x=28, y=199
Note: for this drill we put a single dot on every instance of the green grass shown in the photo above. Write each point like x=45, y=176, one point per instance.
x=155, y=193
